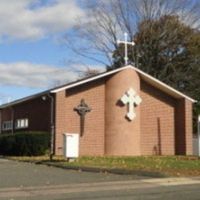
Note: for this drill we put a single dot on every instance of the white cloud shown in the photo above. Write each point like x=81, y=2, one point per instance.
x=21, y=20
x=37, y=75
x=85, y=67
x=34, y=75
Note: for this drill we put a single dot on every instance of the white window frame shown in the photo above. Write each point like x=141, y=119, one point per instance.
x=22, y=123
x=7, y=125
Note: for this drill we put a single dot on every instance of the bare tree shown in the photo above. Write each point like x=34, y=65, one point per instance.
x=88, y=72
x=94, y=37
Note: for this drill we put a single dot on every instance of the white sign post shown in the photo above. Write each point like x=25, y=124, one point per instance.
x=71, y=145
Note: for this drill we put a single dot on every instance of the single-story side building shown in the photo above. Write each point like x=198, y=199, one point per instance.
x=120, y=112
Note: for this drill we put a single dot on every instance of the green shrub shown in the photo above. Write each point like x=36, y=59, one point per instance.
x=25, y=144
x=6, y=144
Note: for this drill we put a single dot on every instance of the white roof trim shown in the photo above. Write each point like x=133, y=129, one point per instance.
x=89, y=79
x=172, y=90
x=160, y=85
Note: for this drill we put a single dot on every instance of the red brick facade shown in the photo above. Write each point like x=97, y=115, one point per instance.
x=37, y=111
x=161, y=127
x=183, y=127
x=122, y=135
x=163, y=123
x=68, y=121
x=157, y=122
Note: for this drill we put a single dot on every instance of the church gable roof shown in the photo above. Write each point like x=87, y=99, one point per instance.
x=144, y=76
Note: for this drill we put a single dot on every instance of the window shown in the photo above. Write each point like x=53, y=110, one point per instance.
x=22, y=123
x=7, y=125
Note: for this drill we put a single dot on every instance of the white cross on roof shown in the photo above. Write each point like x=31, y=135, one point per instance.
x=125, y=42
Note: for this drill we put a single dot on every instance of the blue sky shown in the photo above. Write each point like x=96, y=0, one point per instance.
x=31, y=55
x=42, y=51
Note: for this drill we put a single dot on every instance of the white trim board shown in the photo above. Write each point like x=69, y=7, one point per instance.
x=148, y=78
x=162, y=86
x=89, y=79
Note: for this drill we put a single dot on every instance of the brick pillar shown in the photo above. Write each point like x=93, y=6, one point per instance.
x=59, y=122
x=188, y=127
x=122, y=136
x=183, y=139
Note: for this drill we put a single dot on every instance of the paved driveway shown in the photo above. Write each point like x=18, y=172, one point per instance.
x=22, y=181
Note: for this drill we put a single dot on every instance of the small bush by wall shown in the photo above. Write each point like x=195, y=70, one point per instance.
x=24, y=144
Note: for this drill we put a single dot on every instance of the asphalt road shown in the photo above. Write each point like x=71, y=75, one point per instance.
x=24, y=181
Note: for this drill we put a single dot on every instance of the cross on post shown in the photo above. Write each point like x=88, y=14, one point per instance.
x=82, y=109
x=131, y=99
x=126, y=43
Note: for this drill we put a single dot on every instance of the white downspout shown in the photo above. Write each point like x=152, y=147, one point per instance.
x=198, y=134
x=0, y=122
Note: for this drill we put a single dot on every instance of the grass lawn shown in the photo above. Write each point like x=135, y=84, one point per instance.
x=168, y=165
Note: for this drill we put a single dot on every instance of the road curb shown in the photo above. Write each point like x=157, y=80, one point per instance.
x=119, y=171
x=107, y=170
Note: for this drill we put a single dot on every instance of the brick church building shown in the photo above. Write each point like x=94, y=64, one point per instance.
x=120, y=112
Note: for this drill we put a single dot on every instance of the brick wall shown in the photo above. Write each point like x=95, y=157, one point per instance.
x=180, y=127
x=163, y=125
x=6, y=115
x=188, y=127
x=36, y=110
x=184, y=127
x=38, y=113
x=68, y=121
x=157, y=122
x=122, y=135
x=107, y=131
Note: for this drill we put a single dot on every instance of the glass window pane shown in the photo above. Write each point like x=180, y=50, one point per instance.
x=26, y=122
x=18, y=123
x=22, y=123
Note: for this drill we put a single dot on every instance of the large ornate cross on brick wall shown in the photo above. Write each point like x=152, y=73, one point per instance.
x=82, y=109
x=131, y=99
